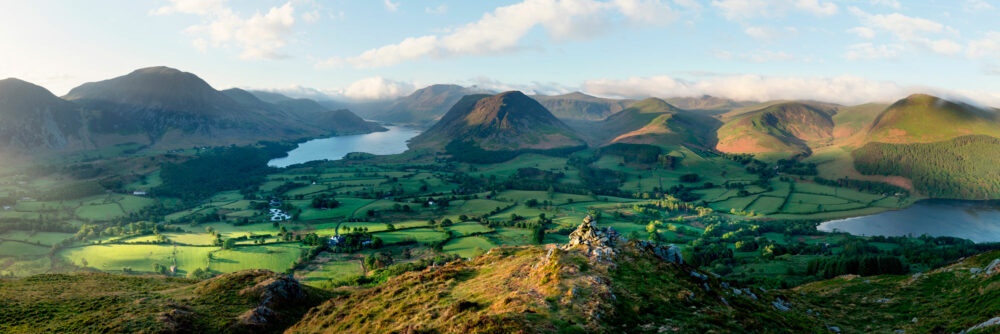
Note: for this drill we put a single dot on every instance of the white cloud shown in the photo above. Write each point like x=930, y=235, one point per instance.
x=261, y=36
x=817, y=8
x=769, y=34
x=976, y=5
x=741, y=9
x=376, y=88
x=863, y=32
x=391, y=6
x=869, y=51
x=911, y=30
x=768, y=56
x=503, y=29
x=988, y=46
x=535, y=87
x=846, y=89
x=196, y=7
x=439, y=10
x=311, y=17
x=689, y=4
x=894, y=4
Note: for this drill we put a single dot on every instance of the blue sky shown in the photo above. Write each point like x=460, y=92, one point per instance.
x=840, y=51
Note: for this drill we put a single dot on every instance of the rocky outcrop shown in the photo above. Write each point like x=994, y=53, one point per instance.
x=274, y=292
x=986, y=324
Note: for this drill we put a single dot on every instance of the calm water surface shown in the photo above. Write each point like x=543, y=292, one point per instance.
x=978, y=221
x=335, y=148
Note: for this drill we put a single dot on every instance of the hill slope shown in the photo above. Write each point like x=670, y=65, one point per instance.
x=654, y=121
x=597, y=283
x=951, y=299
x=508, y=121
x=923, y=118
x=778, y=128
x=252, y=301
x=578, y=105
x=31, y=118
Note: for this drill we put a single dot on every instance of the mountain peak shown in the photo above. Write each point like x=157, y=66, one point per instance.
x=509, y=121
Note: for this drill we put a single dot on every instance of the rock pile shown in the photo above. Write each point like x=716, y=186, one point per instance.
x=597, y=243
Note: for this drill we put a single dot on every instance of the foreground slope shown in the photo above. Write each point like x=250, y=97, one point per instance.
x=31, y=118
x=950, y=299
x=598, y=283
x=252, y=301
x=779, y=128
x=509, y=121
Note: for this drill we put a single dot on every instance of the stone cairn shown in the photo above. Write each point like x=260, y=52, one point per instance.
x=597, y=243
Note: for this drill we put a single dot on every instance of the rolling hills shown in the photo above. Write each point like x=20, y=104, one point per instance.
x=506, y=122
x=159, y=107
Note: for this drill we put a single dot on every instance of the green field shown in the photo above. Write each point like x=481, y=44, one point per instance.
x=277, y=258
x=137, y=257
x=468, y=246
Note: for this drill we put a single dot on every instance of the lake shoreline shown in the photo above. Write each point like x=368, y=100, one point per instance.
x=393, y=141
x=976, y=220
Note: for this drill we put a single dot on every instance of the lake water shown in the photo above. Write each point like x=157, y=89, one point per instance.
x=978, y=221
x=335, y=148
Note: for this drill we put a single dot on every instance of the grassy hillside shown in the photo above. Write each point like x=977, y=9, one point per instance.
x=856, y=119
x=248, y=301
x=780, y=128
x=533, y=290
x=923, y=119
x=656, y=122
x=951, y=299
x=964, y=167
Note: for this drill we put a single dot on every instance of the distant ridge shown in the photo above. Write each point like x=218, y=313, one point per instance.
x=426, y=105
x=578, y=105
x=165, y=107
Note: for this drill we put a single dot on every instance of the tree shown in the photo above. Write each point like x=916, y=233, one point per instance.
x=229, y=244
x=539, y=235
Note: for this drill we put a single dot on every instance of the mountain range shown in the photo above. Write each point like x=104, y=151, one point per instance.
x=160, y=107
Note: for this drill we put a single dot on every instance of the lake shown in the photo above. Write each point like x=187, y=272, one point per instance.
x=978, y=221
x=335, y=148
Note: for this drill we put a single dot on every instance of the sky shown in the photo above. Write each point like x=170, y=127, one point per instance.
x=848, y=52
